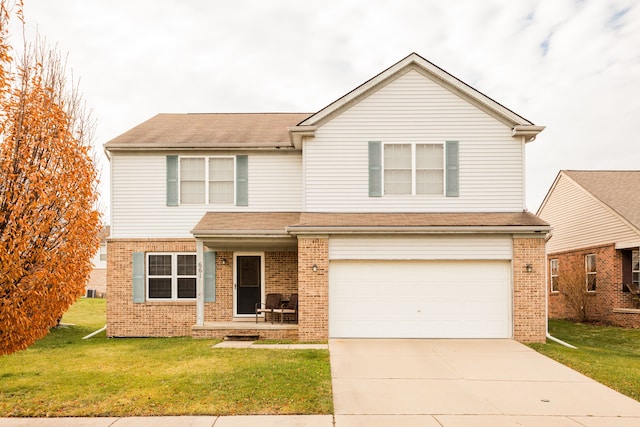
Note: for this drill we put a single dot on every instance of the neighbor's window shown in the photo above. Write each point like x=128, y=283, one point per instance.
x=414, y=169
x=553, y=267
x=207, y=180
x=635, y=267
x=590, y=268
x=171, y=276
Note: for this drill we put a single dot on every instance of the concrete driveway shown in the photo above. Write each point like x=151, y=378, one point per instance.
x=466, y=383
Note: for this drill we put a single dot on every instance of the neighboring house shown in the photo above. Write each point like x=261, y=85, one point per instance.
x=396, y=211
x=97, y=286
x=595, y=217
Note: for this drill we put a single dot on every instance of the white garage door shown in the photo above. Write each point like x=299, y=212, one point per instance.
x=419, y=299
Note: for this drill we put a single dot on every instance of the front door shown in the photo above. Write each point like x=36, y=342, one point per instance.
x=248, y=284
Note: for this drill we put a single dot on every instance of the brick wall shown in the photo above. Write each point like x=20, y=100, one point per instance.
x=529, y=295
x=126, y=319
x=608, y=294
x=98, y=281
x=313, y=288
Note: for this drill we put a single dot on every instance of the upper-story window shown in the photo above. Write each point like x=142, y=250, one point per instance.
x=553, y=267
x=590, y=270
x=414, y=169
x=207, y=180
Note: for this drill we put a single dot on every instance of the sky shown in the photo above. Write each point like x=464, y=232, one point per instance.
x=570, y=65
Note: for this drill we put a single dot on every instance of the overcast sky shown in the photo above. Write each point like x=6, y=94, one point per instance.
x=570, y=65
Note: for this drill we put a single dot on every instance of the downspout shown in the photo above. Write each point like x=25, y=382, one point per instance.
x=546, y=295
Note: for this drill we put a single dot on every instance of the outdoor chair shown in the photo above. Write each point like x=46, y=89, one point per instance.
x=290, y=307
x=273, y=301
x=634, y=289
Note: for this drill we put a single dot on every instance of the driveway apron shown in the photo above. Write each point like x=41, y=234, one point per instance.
x=466, y=383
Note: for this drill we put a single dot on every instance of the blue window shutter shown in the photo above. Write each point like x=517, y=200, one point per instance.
x=172, y=180
x=453, y=170
x=209, y=276
x=242, y=181
x=138, y=277
x=375, y=169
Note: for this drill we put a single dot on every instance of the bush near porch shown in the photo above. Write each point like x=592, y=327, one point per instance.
x=608, y=354
x=63, y=375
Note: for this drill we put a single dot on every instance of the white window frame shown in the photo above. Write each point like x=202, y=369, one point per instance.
x=174, y=275
x=205, y=159
x=554, y=277
x=592, y=273
x=413, y=169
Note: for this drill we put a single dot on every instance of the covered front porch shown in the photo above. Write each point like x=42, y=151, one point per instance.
x=242, y=257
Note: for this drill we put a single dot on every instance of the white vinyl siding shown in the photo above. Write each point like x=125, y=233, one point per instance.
x=413, y=110
x=138, y=202
x=580, y=221
x=421, y=248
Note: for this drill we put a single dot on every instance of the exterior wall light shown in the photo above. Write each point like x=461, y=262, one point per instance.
x=529, y=268
x=314, y=268
x=224, y=261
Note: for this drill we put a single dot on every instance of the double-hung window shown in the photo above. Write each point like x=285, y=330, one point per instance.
x=207, y=180
x=590, y=270
x=171, y=276
x=553, y=267
x=414, y=169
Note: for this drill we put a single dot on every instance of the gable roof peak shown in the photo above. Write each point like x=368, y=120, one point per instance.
x=519, y=125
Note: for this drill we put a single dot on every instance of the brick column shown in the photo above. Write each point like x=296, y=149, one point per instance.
x=313, y=288
x=529, y=290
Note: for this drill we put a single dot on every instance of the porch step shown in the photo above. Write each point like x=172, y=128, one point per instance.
x=241, y=337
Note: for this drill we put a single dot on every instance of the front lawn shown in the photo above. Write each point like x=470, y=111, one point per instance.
x=63, y=375
x=607, y=354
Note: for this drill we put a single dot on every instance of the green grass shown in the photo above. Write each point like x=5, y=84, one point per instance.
x=607, y=354
x=63, y=375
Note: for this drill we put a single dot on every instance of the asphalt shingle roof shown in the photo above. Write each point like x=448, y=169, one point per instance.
x=620, y=190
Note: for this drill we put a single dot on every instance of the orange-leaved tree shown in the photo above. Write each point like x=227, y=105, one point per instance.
x=49, y=222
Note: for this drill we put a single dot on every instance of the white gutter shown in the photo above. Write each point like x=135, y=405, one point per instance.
x=413, y=229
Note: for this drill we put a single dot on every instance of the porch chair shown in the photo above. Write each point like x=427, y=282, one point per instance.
x=290, y=307
x=634, y=289
x=273, y=301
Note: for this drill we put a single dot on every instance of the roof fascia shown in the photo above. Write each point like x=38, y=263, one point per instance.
x=300, y=230
x=548, y=195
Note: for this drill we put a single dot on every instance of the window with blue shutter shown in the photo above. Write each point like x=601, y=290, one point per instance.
x=375, y=169
x=172, y=181
x=242, y=181
x=209, y=276
x=138, y=284
x=452, y=169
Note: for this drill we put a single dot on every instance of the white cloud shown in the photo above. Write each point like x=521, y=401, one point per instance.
x=572, y=65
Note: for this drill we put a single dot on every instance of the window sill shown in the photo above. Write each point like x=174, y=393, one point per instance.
x=554, y=293
x=174, y=303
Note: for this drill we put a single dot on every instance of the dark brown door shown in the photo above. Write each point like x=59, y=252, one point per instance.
x=249, y=283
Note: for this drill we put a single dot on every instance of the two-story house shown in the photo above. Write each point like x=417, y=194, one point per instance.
x=396, y=211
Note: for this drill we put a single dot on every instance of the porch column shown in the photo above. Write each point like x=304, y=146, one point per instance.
x=313, y=288
x=200, y=283
x=529, y=288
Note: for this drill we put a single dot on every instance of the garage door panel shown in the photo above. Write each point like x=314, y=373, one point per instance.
x=420, y=299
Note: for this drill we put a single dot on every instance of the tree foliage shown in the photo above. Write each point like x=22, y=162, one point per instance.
x=572, y=285
x=49, y=223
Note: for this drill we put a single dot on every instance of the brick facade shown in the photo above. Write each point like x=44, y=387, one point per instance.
x=314, y=288
x=176, y=318
x=286, y=272
x=608, y=296
x=529, y=296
